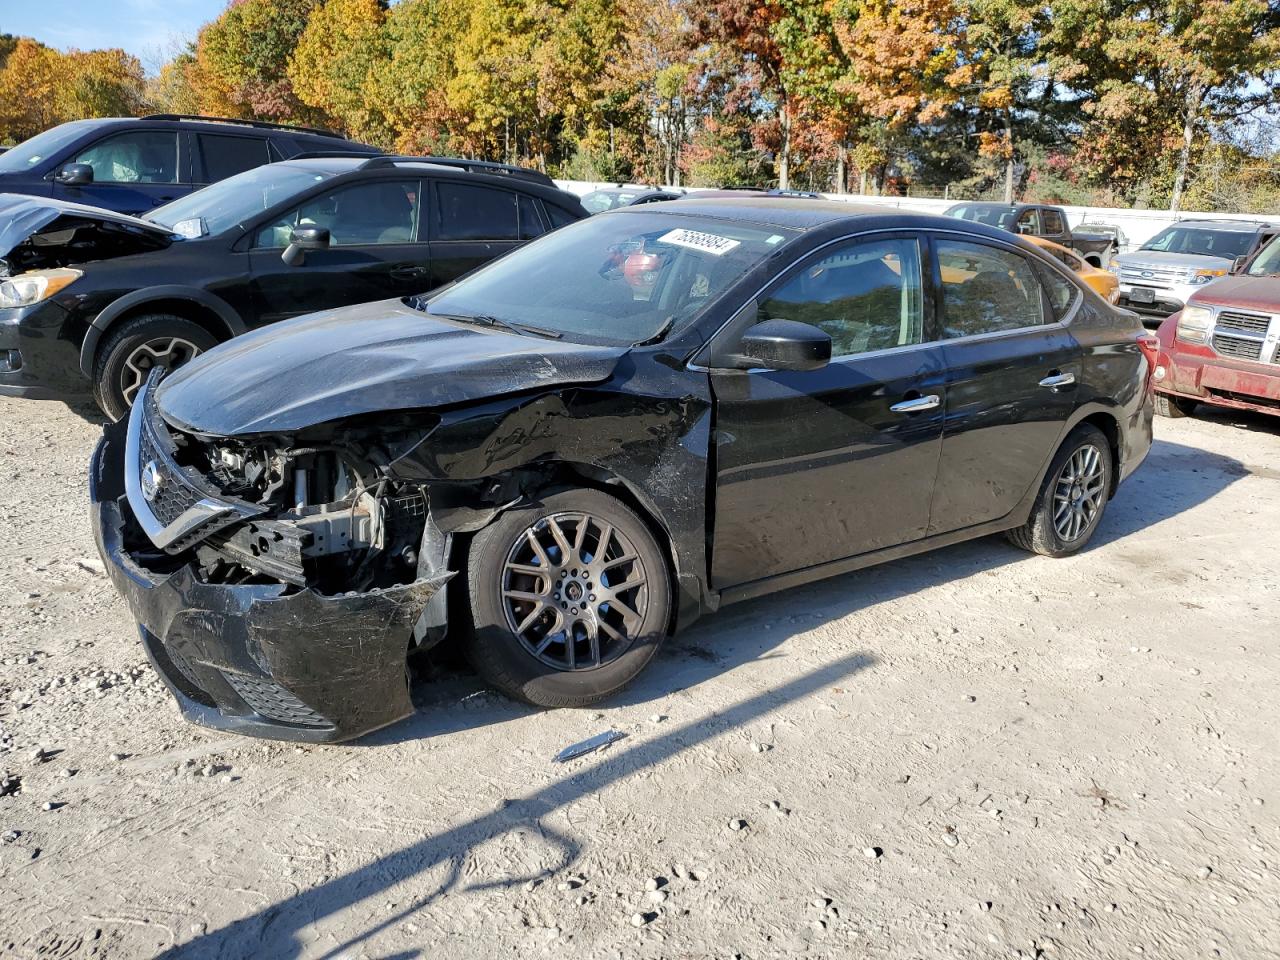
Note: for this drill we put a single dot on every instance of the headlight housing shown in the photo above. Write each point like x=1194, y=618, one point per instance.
x=1194, y=323
x=1201, y=277
x=28, y=288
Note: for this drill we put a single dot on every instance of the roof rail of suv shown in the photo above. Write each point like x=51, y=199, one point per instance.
x=260, y=124
x=472, y=166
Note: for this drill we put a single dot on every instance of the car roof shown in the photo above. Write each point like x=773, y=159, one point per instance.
x=792, y=212
x=1240, y=226
x=350, y=163
x=221, y=125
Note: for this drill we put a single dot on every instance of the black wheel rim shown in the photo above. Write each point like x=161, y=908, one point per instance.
x=575, y=591
x=1078, y=493
x=167, y=352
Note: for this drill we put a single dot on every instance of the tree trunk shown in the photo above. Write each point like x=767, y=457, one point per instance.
x=1191, y=111
x=842, y=172
x=862, y=182
x=784, y=154
x=1008, y=157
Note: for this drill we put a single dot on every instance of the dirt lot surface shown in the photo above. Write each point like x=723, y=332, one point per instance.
x=976, y=753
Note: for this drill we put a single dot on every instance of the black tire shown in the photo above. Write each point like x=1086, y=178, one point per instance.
x=1174, y=407
x=114, y=375
x=504, y=657
x=1040, y=534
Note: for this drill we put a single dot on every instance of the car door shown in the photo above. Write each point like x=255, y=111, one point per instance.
x=473, y=223
x=133, y=172
x=374, y=252
x=1012, y=366
x=820, y=465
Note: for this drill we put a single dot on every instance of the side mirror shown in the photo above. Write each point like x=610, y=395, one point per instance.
x=786, y=345
x=301, y=240
x=74, y=175
x=1239, y=265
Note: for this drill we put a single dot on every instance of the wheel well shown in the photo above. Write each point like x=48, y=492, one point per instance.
x=1111, y=430
x=1094, y=260
x=545, y=477
x=197, y=313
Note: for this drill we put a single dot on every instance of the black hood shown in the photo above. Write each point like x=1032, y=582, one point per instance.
x=367, y=359
x=37, y=232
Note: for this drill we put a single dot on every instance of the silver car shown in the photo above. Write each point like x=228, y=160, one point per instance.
x=1158, y=278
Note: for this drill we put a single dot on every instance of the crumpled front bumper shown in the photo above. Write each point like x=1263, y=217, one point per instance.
x=262, y=660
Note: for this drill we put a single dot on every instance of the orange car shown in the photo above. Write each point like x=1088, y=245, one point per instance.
x=1103, y=282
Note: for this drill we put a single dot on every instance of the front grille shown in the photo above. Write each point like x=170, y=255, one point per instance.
x=1155, y=276
x=1238, y=348
x=268, y=699
x=173, y=497
x=1247, y=322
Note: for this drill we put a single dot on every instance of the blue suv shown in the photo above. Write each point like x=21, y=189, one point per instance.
x=131, y=165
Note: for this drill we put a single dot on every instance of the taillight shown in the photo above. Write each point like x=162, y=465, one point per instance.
x=1149, y=344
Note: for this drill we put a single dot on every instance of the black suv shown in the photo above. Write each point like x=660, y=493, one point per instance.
x=134, y=164
x=90, y=300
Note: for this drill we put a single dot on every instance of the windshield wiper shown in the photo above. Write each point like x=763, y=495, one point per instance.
x=489, y=320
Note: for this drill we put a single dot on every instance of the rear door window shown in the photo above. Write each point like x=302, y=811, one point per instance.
x=470, y=212
x=139, y=156
x=987, y=290
x=222, y=156
x=1051, y=223
x=1028, y=222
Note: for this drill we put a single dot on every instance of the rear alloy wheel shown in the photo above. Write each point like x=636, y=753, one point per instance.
x=570, y=599
x=129, y=354
x=1072, y=498
x=1174, y=407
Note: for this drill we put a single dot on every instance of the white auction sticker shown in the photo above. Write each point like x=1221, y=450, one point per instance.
x=696, y=240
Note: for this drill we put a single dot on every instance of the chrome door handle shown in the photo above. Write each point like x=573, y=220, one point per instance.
x=928, y=402
x=1058, y=380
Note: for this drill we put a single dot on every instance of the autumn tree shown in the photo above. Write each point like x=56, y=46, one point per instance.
x=1161, y=75
x=334, y=65
x=243, y=58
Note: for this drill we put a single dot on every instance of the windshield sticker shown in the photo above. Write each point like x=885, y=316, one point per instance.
x=696, y=240
x=776, y=238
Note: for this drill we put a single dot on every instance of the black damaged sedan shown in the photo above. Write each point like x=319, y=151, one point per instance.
x=579, y=449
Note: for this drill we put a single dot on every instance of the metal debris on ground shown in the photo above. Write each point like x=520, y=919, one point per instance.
x=583, y=747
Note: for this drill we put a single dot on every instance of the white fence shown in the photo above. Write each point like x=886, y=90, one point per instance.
x=1139, y=226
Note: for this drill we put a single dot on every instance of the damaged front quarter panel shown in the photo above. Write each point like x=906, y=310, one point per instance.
x=260, y=658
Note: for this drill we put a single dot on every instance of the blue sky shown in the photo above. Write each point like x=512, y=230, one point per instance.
x=149, y=29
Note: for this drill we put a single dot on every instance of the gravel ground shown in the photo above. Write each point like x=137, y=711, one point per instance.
x=974, y=753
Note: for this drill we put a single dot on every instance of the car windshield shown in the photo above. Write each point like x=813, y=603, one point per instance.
x=622, y=278
x=1267, y=262
x=1001, y=217
x=1201, y=241
x=237, y=200
x=597, y=201
x=30, y=153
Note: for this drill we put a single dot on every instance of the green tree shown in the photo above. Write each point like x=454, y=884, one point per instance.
x=335, y=62
x=243, y=58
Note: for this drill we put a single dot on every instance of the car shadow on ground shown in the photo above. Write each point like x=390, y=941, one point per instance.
x=1177, y=478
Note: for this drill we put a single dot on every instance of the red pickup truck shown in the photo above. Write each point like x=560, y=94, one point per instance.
x=1223, y=347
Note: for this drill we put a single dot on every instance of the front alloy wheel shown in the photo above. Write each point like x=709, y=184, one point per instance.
x=570, y=598
x=575, y=591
